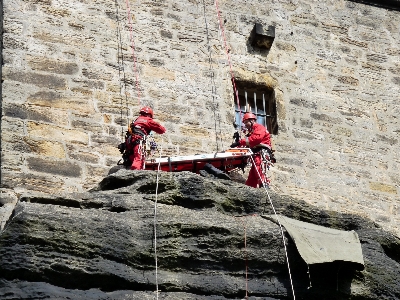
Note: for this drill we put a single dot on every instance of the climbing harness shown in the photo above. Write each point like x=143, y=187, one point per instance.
x=267, y=161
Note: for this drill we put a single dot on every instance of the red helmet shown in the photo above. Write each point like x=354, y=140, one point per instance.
x=146, y=110
x=249, y=116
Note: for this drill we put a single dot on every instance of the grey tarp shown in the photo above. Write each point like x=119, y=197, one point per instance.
x=318, y=244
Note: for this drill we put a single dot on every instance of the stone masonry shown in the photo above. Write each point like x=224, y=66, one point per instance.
x=69, y=88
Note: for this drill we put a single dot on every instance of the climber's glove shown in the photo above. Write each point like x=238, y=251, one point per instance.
x=122, y=147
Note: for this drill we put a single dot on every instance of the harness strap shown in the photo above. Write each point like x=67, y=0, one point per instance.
x=136, y=130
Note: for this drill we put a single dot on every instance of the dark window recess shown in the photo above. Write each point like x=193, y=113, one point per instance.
x=261, y=37
x=260, y=100
x=388, y=4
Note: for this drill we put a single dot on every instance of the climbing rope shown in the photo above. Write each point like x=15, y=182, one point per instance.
x=121, y=67
x=245, y=251
x=280, y=226
x=155, y=224
x=213, y=85
x=227, y=51
x=129, y=18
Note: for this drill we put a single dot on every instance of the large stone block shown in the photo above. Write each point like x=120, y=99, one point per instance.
x=341, y=131
x=86, y=126
x=111, y=109
x=85, y=157
x=41, y=80
x=36, y=114
x=46, y=148
x=386, y=139
x=191, y=131
x=11, y=161
x=32, y=182
x=90, y=84
x=52, y=66
x=159, y=73
x=63, y=168
x=14, y=143
x=96, y=74
x=56, y=133
x=104, y=139
x=77, y=40
x=326, y=118
x=13, y=42
x=303, y=103
x=383, y=187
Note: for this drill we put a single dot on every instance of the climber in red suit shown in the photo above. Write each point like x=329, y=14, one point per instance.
x=138, y=130
x=257, y=137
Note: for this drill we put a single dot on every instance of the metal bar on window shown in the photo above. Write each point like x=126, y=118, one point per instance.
x=265, y=112
x=245, y=95
x=238, y=110
x=255, y=105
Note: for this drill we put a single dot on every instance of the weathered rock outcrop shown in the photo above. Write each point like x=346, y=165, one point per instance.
x=101, y=245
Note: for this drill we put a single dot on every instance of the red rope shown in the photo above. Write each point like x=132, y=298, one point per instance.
x=128, y=9
x=221, y=26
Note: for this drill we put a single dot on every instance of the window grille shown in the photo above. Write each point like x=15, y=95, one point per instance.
x=261, y=102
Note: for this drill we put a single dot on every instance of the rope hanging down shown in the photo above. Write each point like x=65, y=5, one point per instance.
x=155, y=225
x=227, y=51
x=213, y=85
x=129, y=18
x=280, y=226
x=221, y=26
x=245, y=251
x=121, y=67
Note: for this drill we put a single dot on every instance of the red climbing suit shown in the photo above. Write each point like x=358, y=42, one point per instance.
x=258, y=135
x=140, y=128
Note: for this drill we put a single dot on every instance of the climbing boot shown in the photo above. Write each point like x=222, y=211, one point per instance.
x=216, y=172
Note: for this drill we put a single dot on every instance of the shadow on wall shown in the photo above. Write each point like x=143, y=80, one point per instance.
x=388, y=4
x=1, y=87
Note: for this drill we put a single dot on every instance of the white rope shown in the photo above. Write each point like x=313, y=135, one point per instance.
x=280, y=225
x=213, y=85
x=155, y=224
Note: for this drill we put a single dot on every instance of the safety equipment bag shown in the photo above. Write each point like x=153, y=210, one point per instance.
x=317, y=244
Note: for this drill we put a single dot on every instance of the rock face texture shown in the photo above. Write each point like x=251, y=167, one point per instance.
x=209, y=237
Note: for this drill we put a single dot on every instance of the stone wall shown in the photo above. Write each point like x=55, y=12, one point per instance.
x=69, y=87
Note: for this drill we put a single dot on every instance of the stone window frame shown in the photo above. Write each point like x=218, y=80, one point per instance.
x=265, y=104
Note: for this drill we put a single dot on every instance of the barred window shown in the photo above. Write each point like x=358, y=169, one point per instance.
x=260, y=100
